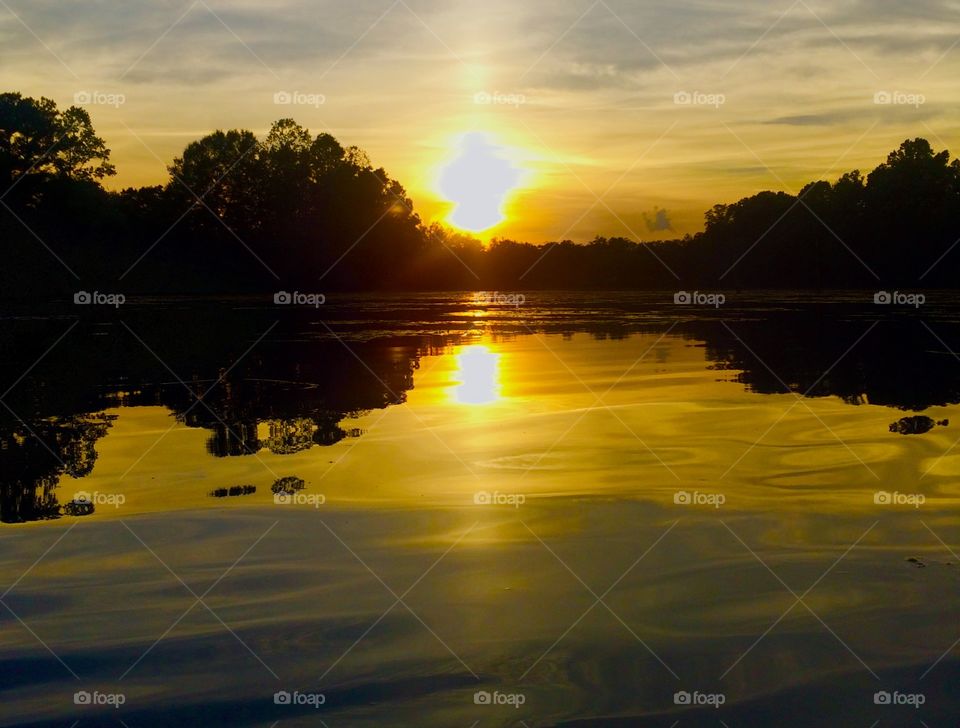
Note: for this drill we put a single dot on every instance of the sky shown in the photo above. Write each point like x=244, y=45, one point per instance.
x=607, y=117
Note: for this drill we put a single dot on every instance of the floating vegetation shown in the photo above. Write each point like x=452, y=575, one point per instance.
x=78, y=508
x=288, y=485
x=916, y=425
x=232, y=491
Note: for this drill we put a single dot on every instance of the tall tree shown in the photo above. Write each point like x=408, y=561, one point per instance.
x=37, y=142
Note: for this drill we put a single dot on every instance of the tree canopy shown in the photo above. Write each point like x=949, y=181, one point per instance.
x=37, y=140
x=243, y=213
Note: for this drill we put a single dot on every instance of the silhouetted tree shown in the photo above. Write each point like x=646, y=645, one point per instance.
x=38, y=141
x=294, y=210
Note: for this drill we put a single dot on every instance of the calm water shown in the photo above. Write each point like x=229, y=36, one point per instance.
x=592, y=509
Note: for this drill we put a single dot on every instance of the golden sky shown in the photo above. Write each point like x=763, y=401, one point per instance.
x=614, y=117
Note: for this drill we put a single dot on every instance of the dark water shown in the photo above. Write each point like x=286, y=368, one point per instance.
x=586, y=506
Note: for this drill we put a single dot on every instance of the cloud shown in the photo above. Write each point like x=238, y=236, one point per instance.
x=657, y=221
x=822, y=119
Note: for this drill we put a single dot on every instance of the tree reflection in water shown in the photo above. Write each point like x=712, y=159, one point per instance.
x=291, y=391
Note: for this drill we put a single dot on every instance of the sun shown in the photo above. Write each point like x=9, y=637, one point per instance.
x=478, y=181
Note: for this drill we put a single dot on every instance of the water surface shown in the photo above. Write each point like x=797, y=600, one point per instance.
x=590, y=501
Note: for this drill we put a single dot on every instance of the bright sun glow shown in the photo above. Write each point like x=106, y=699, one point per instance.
x=478, y=181
x=478, y=376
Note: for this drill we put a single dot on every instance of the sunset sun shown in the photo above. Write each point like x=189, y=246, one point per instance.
x=478, y=179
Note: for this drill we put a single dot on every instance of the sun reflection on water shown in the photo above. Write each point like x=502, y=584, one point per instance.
x=477, y=376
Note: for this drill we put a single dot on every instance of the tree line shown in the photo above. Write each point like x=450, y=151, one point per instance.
x=243, y=214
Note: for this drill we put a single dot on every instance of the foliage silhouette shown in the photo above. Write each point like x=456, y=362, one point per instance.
x=242, y=214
